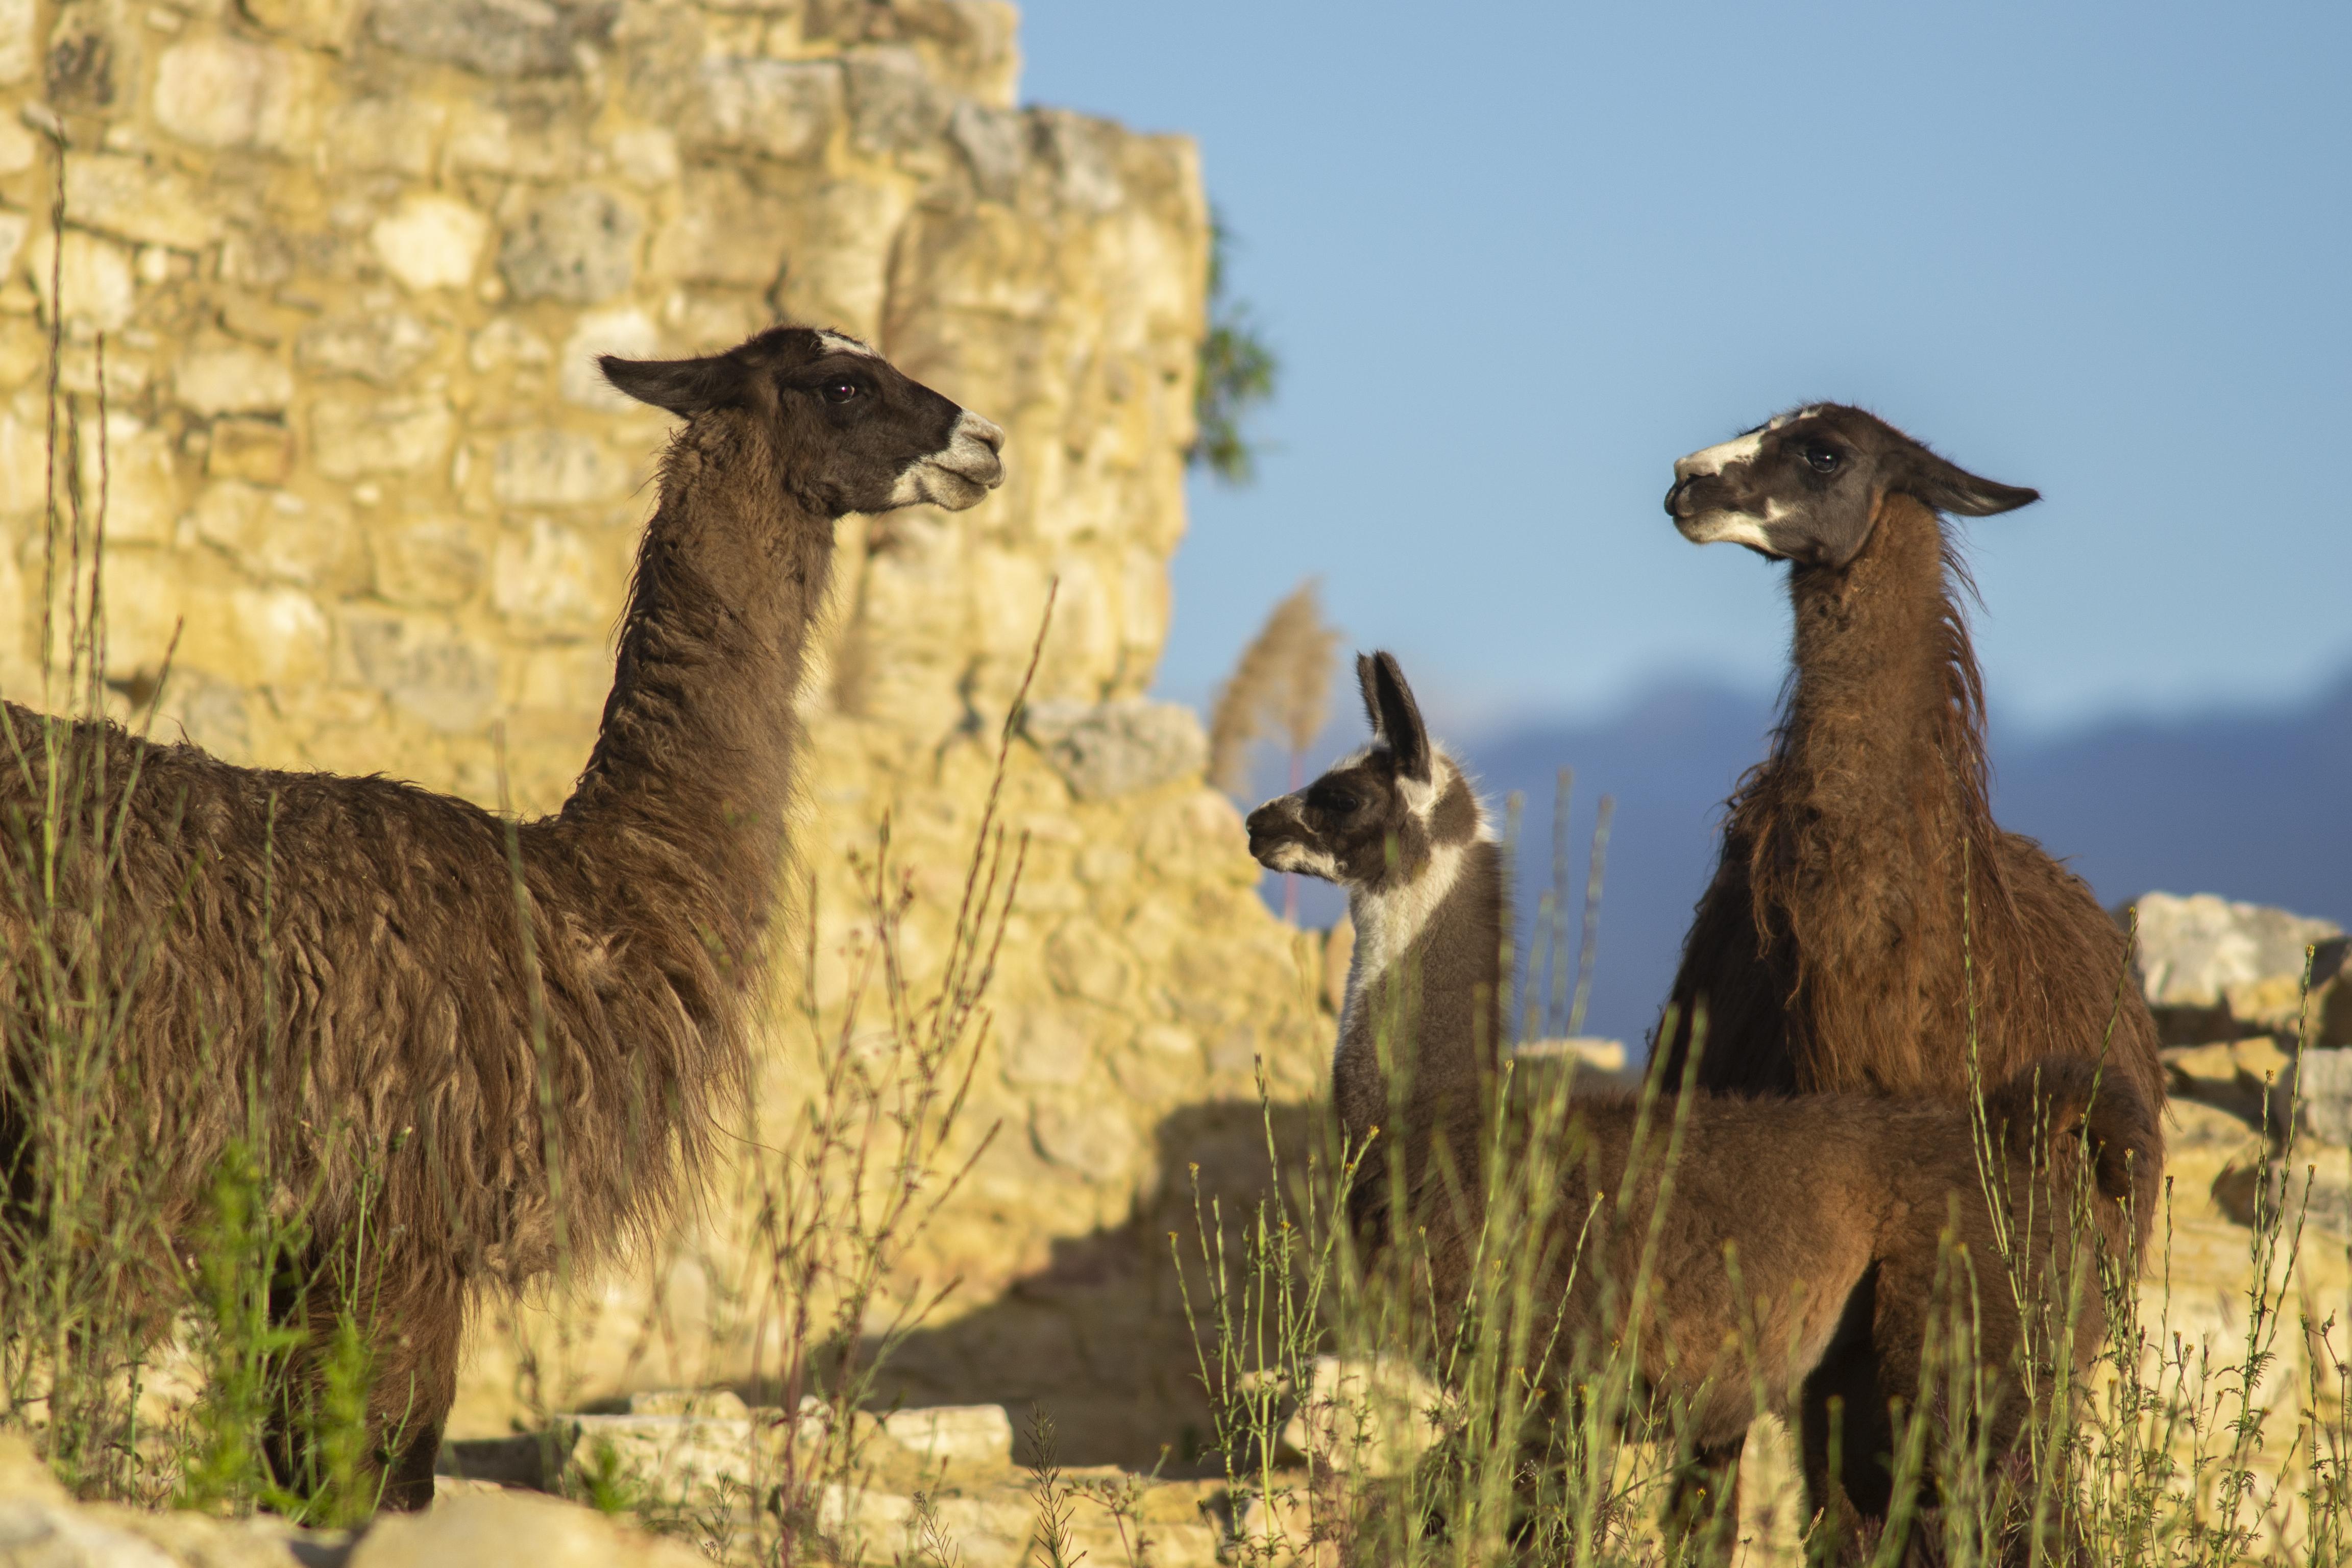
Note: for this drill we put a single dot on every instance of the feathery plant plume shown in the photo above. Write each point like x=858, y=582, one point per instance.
x=1281, y=687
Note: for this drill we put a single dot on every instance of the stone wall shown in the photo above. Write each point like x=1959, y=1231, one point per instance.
x=349, y=263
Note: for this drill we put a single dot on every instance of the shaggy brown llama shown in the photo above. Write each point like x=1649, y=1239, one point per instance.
x=472, y=1093
x=1870, y=925
x=1838, y=1206
x=1870, y=929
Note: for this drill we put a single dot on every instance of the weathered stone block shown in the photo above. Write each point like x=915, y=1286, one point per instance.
x=378, y=346
x=780, y=108
x=726, y=231
x=1045, y=1046
x=151, y=203
x=965, y=1434
x=995, y=144
x=1088, y=1138
x=19, y=40
x=431, y=242
x=838, y=272
x=2323, y=1089
x=555, y=468
x=494, y=37
x=272, y=534
x=433, y=565
x=231, y=378
x=2193, y=950
x=143, y=475
x=261, y=450
x=354, y=436
x=513, y=1527
x=321, y=24
x=427, y=667
x=94, y=278
x=397, y=133
x=893, y=106
x=1110, y=748
x=224, y=92
x=549, y=581
x=506, y=341
x=578, y=246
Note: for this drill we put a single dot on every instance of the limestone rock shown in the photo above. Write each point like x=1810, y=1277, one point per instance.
x=19, y=39
x=432, y=242
x=232, y=379
x=553, y=467
x=967, y=1434
x=1111, y=749
x=224, y=92
x=780, y=108
x=513, y=1527
x=354, y=436
x=578, y=246
x=425, y=667
x=151, y=203
x=892, y=107
x=2193, y=950
x=93, y=278
x=2208, y=965
x=378, y=346
x=494, y=37
x=2322, y=1090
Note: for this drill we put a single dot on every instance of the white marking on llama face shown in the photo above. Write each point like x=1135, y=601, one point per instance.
x=1728, y=528
x=1418, y=795
x=958, y=474
x=1722, y=455
x=842, y=343
x=1304, y=859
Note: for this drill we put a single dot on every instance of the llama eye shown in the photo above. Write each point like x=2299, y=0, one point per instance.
x=840, y=391
x=1821, y=459
x=1338, y=802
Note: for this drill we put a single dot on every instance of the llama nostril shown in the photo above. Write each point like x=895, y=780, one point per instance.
x=986, y=431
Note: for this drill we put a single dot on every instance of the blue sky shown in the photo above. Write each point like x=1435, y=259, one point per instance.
x=1517, y=257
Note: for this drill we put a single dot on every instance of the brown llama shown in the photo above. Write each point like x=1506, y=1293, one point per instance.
x=455, y=1096
x=1870, y=928
x=1839, y=1209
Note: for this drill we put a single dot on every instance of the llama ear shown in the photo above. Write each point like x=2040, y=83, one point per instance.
x=1367, y=683
x=1399, y=719
x=1947, y=487
x=685, y=387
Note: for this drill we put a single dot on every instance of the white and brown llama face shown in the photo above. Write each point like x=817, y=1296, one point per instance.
x=1806, y=486
x=1376, y=820
x=850, y=432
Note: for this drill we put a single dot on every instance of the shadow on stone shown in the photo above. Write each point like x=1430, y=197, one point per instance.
x=1098, y=1337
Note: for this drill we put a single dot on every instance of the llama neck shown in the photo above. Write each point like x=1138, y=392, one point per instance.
x=692, y=761
x=1424, y=992
x=1885, y=723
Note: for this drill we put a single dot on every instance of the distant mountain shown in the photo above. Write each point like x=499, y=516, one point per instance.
x=2249, y=805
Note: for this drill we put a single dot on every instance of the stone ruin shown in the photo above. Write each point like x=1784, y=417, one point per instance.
x=349, y=263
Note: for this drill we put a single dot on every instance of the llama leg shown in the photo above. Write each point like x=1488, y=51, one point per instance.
x=1843, y=1430
x=414, y=1383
